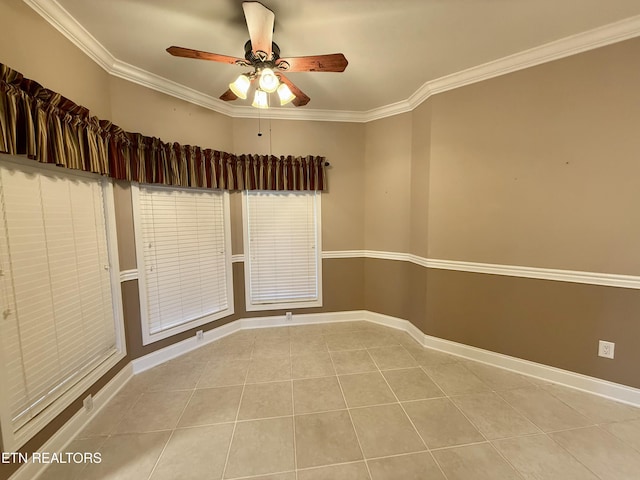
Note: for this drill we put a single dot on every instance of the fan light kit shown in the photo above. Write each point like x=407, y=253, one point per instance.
x=264, y=56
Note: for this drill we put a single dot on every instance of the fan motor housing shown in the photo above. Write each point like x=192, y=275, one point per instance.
x=258, y=60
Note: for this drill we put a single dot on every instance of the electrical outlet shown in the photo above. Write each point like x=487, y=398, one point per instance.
x=606, y=349
x=289, y=316
x=199, y=335
x=87, y=403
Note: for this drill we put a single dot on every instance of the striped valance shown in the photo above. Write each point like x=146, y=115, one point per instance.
x=48, y=128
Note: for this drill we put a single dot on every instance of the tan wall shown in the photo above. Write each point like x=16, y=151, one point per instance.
x=139, y=109
x=548, y=322
x=540, y=167
x=387, y=195
x=31, y=46
x=420, y=157
x=342, y=144
x=536, y=168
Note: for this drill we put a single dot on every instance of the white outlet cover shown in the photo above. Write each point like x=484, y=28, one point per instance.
x=606, y=349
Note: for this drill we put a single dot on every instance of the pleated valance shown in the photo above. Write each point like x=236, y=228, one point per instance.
x=49, y=128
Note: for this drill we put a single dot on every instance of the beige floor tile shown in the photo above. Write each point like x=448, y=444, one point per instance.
x=371, y=339
x=276, y=476
x=343, y=341
x=238, y=348
x=304, y=345
x=415, y=466
x=456, y=379
x=363, y=389
x=354, y=361
x=601, y=452
x=247, y=335
x=628, y=432
x=212, y=405
x=317, y=395
x=497, y=378
x=128, y=456
x=537, y=457
x=441, y=424
x=427, y=357
x=346, y=471
x=269, y=369
x=345, y=327
x=175, y=376
x=477, y=462
x=385, y=430
x=316, y=364
x=598, y=409
x=307, y=331
x=261, y=447
x=271, y=347
x=73, y=471
x=412, y=384
x=223, y=374
x=201, y=354
x=154, y=411
x=271, y=333
x=543, y=409
x=195, y=453
x=264, y=400
x=325, y=439
x=494, y=417
x=107, y=419
x=392, y=357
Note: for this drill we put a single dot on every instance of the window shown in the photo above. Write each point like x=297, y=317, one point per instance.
x=60, y=299
x=282, y=250
x=183, y=246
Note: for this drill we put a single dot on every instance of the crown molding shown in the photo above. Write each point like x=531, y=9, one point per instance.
x=60, y=19
x=565, y=47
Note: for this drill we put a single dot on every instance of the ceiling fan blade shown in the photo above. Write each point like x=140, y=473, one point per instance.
x=260, y=24
x=228, y=96
x=200, y=55
x=301, y=98
x=333, y=62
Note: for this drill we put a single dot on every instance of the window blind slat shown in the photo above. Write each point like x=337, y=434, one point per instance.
x=56, y=293
x=282, y=256
x=184, y=255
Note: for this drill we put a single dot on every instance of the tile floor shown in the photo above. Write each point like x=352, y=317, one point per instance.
x=350, y=401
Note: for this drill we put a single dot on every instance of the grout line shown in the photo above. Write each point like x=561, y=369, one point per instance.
x=173, y=430
x=351, y=418
x=293, y=410
x=410, y=420
x=252, y=344
x=235, y=423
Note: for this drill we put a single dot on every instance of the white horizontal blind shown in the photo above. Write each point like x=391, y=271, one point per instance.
x=185, y=265
x=57, y=318
x=282, y=247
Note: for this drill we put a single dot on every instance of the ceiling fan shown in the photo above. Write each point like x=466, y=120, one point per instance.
x=264, y=56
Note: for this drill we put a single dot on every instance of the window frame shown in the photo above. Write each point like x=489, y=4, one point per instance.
x=251, y=306
x=147, y=336
x=12, y=441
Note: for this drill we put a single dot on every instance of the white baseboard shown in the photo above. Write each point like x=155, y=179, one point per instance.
x=596, y=386
x=59, y=441
x=173, y=351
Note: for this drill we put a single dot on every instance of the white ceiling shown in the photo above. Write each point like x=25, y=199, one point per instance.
x=395, y=48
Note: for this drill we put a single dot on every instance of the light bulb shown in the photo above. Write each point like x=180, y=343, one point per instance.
x=240, y=86
x=260, y=100
x=268, y=80
x=285, y=94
